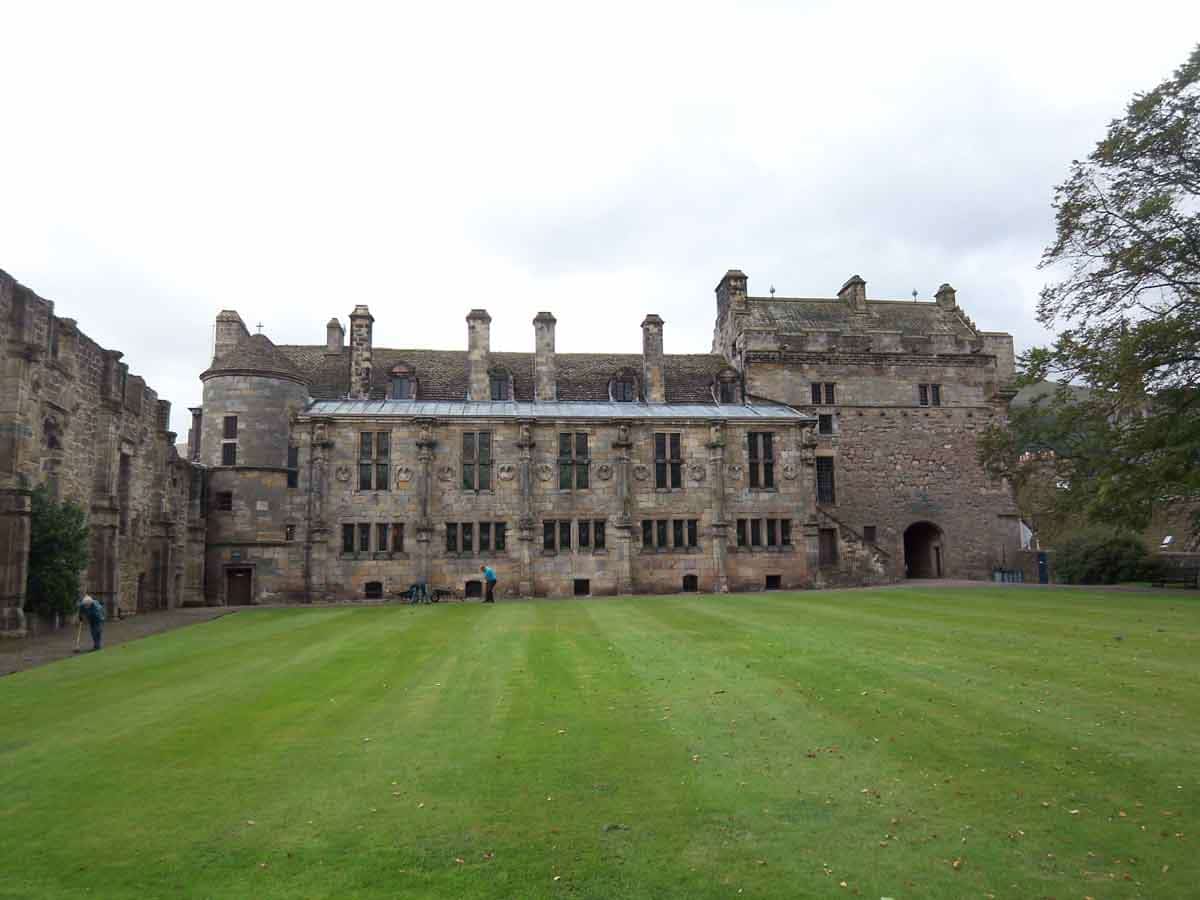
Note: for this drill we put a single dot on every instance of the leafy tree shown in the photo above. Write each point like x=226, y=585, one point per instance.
x=1127, y=248
x=58, y=554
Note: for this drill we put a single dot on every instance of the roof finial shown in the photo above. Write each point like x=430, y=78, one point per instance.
x=772, y=292
x=260, y=327
x=914, y=295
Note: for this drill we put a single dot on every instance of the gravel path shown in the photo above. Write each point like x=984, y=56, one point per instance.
x=17, y=654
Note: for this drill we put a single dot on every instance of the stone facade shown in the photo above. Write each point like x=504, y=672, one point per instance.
x=72, y=417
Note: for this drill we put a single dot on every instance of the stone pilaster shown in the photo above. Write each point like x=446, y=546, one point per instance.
x=425, y=447
x=623, y=524
x=526, y=528
x=720, y=524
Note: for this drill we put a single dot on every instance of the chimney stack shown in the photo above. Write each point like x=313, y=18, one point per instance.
x=230, y=332
x=479, y=339
x=334, y=336
x=731, y=292
x=854, y=293
x=361, y=321
x=945, y=297
x=544, y=372
x=654, y=384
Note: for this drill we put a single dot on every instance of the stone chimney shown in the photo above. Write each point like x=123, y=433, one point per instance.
x=654, y=383
x=194, y=433
x=731, y=292
x=334, y=336
x=479, y=340
x=361, y=321
x=544, y=372
x=854, y=294
x=945, y=297
x=230, y=332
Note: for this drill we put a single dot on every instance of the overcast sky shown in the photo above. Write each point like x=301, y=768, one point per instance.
x=162, y=161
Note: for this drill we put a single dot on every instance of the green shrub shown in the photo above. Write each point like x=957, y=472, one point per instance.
x=1101, y=556
x=58, y=554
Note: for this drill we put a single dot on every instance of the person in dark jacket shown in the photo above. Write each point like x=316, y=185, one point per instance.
x=490, y=577
x=93, y=613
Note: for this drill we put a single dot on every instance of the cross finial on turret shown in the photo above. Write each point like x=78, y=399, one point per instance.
x=260, y=327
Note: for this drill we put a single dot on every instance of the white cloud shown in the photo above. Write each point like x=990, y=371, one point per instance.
x=162, y=162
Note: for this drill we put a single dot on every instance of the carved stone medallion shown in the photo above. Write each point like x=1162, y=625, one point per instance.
x=698, y=472
x=641, y=472
x=343, y=473
x=545, y=471
x=789, y=471
x=446, y=473
x=506, y=471
x=734, y=471
x=403, y=474
x=604, y=471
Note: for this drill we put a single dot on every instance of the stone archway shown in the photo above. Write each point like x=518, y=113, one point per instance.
x=923, y=551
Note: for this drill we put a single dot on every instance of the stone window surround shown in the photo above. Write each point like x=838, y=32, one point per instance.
x=743, y=534
x=573, y=531
x=825, y=462
x=691, y=528
x=929, y=394
x=496, y=528
x=767, y=458
x=672, y=465
x=379, y=461
x=476, y=462
x=574, y=461
x=376, y=553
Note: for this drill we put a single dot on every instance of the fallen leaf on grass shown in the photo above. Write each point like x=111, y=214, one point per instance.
x=956, y=865
x=460, y=860
x=250, y=822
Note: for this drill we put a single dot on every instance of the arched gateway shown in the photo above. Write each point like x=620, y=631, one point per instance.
x=923, y=550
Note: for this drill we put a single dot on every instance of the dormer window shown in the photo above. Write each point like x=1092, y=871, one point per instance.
x=623, y=388
x=727, y=389
x=404, y=383
x=501, y=387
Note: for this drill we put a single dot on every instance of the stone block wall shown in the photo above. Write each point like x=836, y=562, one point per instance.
x=72, y=417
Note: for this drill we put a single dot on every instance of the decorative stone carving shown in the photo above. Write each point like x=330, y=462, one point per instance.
x=641, y=472
x=545, y=471
x=343, y=473
x=789, y=471
x=604, y=471
x=526, y=436
x=734, y=471
x=622, y=434
x=506, y=471
x=446, y=473
x=698, y=472
x=403, y=474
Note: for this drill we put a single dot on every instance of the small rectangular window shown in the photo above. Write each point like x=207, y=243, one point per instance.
x=647, y=533
x=451, y=537
x=500, y=388
x=825, y=423
x=869, y=534
x=755, y=532
x=374, y=452
x=364, y=537
x=935, y=394
x=293, y=466
x=772, y=533
x=668, y=460
x=289, y=533
x=229, y=454
x=829, y=394
x=741, y=532
x=785, y=532
x=923, y=394
x=825, y=480
x=398, y=537
x=485, y=536
x=230, y=428
x=381, y=537
x=677, y=533
x=466, y=536
x=498, y=531
x=691, y=532
x=225, y=501
x=564, y=534
x=549, y=532
x=347, y=538
x=598, y=534
x=573, y=460
x=660, y=533
x=477, y=461
x=728, y=392
x=761, y=445
x=816, y=393
x=585, y=534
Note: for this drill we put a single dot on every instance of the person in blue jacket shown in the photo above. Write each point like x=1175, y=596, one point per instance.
x=490, y=577
x=93, y=612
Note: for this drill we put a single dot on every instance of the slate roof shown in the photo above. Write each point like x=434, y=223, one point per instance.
x=442, y=374
x=255, y=354
x=794, y=316
x=553, y=409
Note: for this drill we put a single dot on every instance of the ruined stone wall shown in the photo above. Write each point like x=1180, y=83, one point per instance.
x=897, y=463
x=73, y=417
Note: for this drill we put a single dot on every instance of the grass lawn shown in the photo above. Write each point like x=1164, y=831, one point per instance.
x=898, y=743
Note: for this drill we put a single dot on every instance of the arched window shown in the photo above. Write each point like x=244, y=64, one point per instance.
x=404, y=382
x=623, y=387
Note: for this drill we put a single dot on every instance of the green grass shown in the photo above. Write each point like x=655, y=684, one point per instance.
x=773, y=745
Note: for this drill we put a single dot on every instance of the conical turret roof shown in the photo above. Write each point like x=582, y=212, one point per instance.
x=255, y=355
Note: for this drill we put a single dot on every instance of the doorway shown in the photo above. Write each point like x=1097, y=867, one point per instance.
x=923, y=551
x=239, y=584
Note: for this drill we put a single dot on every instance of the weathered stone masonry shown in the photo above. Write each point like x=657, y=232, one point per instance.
x=73, y=417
